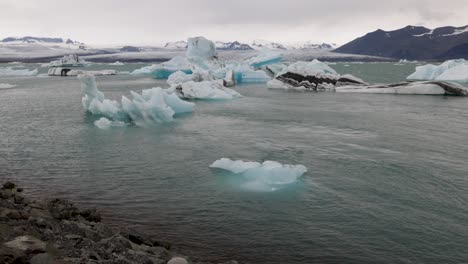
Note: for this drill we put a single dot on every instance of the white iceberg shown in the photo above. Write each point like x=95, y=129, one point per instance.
x=59, y=71
x=305, y=68
x=152, y=106
x=6, y=86
x=104, y=123
x=180, y=77
x=67, y=61
x=211, y=90
x=245, y=74
x=13, y=71
x=266, y=176
x=451, y=70
x=201, y=47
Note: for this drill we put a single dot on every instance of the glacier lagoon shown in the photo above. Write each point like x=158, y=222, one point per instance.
x=386, y=179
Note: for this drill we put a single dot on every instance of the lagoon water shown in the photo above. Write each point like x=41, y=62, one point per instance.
x=387, y=178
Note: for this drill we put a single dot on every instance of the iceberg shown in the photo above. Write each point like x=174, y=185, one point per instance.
x=266, y=176
x=180, y=77
x=6, y=86
x=314, y=75
x=165, y=69
x=152, y=106
x=59, y=71
x=210, y=90
x=200, y=47
x=423, y=88
x=451, y=70
x=104, y=123
x=13, y=71
x=117, y=63
x=266, y=57
x=67, y=61
x=245, y=74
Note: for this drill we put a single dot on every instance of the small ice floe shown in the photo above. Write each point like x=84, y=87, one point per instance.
x=266, y=176
x=14, y=71
x=6, y=86
x=117, y=63
x=104, y=123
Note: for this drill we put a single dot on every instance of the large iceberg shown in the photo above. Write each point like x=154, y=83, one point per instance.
x=152, y=106
x=200, y=47
x=266, y=176
x=210, y=90
x=13, y=71
x=314, y=75
x=452, y=70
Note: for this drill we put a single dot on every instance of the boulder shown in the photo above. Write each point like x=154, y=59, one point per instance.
x=177, y=260
x=9, y=185
x=27, y=244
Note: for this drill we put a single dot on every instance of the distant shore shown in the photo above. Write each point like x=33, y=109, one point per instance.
x=56, y=231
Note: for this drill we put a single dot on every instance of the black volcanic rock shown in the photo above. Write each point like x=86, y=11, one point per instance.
x=414, y=43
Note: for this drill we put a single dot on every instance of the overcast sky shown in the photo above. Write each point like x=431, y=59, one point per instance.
x=157, y=21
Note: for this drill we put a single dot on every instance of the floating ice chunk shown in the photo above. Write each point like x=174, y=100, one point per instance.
x=117, y=63
x=245, y=74
x=165, y=69
x=179, y=77
x=152, y=106
x=12, y=71
x=266, y=57
x=451, y=70
x=67, y=61
x=425, y=88
x=309, y=68
x=201, y=47
x=94, y=102
x=206, y=90
x=266, y=176
x=6, y=86
x=59, y=71
x=276, y=68
x=237, y=166
x=104, y=123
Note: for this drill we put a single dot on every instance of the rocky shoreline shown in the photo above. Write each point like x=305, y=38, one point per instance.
x=57, y=232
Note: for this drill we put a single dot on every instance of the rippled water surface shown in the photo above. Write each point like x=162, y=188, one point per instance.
x=387, y=179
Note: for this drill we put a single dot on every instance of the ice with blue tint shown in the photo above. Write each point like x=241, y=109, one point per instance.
x=152, y=106
x=266, y=176
x=165, y=69
x=266, y=57
x=451, y=70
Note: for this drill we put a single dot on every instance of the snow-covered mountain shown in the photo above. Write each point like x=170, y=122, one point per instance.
x=43, y=41
x=265, y=44
x=310, y=45
x=176, y=45
x=232, y=46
